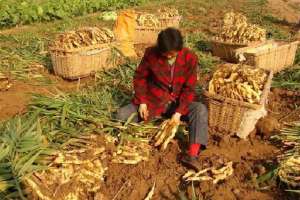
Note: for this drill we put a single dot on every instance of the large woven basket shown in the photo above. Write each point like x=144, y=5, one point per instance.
x=226, y=114
x=146, y=35
x=226, y=50
x=272, y=55
x=170, y=21
x=80, y=62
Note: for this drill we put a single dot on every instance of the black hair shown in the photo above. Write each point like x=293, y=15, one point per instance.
x=169, y=39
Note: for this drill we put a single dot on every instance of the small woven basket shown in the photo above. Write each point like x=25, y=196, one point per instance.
x=226, y=114
x=226, y=50
x=146, y=35
x=80, y=62
x=170, y=21
x=272, y=55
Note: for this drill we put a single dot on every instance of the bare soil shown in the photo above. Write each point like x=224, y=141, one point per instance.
x=133, y=182
x=127, y=182
x=15, y=100
x=283, y=105
x=286, y=10
x=251, y=158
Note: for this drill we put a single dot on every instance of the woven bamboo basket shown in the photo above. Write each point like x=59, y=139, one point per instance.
x=81, y=62
x=272, y=55
x=146, y=35
x=226, y=50
x=170, y=21
x=226, y=114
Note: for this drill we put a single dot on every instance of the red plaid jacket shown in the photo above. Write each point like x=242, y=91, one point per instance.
x=152, y=82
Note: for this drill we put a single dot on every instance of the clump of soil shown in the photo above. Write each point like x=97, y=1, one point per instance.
x=283, y=105
x=267, y=126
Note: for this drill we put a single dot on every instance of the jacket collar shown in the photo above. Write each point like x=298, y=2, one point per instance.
x=163, y=60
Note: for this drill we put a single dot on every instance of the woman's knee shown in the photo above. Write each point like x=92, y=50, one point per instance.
x=125, y=112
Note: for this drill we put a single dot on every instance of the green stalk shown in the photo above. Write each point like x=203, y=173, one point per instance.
x=19, y=189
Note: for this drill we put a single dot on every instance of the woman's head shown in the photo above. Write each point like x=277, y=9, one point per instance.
x=169, y=42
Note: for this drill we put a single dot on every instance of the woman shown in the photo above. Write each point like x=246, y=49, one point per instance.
x=164, y=85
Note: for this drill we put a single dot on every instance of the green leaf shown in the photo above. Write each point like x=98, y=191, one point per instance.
x=39, y=128
x=294, y=191
x=267, y=176
x=27, y=166
x=3, y=151
x=4, y=185
x=38, y=168
x=132, y=116
x=13, y=195
x=63, y=115
x=5, y=170
x=60, y=14
x=49, y=151
x=40, y=11
x=182, y=196
x=25, y=128
x=3, y=165
x=29, y=148
x=5, y=177
x=20, y=161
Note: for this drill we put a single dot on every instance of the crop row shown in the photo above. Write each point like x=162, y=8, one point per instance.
x=14, y=12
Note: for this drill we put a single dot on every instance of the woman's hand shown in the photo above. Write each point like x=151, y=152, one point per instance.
x=143, y=111
x=176, y=118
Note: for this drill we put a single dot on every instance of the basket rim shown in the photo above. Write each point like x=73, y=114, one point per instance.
x=81, y=53
x=178, y=17
x=96, y=46
x=264, y=95
x=157, y=14
x=237, y=44
x=149, y=28
x=230, y=101
x=286, y=43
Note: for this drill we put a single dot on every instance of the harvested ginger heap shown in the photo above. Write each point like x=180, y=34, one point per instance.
x=83, y=37
x=148, y=20
x=236, y=29
x=166, y=12
x=240, y=82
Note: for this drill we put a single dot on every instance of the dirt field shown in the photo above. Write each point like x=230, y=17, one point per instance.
x=134, y=182
x=250, y=157
x=286, y=10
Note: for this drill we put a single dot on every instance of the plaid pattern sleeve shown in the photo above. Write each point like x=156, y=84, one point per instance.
x=140, y=81
x=187, y=94
x=155, y=86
